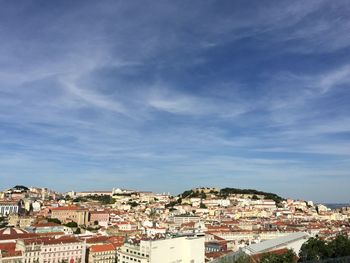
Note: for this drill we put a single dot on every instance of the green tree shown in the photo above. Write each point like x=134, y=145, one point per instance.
x=242, y=259
x=287, y=257
x=202, y=205
x=314, y=249
x=71, y=224
x=133, y=204
x=255, y=197
x=339, y=247
x=53, y=220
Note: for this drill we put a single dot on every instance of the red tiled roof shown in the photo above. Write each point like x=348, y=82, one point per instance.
x=61, y=240
x=102, y=248
x=8, y=246
x=101, y=239
x=11, y=253
x=64, y=208
x=11, y=231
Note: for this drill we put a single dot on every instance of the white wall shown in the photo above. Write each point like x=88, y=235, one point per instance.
x=181, y=249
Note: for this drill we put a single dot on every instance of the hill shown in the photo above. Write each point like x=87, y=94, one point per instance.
x=225, y=192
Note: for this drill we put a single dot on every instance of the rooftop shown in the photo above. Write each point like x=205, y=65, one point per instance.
x=271, y=244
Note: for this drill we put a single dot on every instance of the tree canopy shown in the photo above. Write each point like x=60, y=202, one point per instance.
x=317, y=249
x=287, y=257
x=54, y=220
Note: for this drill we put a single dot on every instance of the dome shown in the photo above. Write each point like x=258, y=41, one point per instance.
x=12, y=231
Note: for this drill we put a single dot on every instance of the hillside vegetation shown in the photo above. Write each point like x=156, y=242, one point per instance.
x=225, y=192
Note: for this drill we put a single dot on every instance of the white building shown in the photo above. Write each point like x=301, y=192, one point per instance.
x=179, y=249
x=50, y=250
x=36, y=206
x=153, y=231
x=8, y=207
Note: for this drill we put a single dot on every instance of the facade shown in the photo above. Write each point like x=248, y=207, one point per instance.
x=31, y=249
x=8, y=207
x=20, y=221
x=52, y=250
x=104, y=253
x=101, y=217
x=64, y=249
x=181, y=219
x=179, y=249
x=71, y=213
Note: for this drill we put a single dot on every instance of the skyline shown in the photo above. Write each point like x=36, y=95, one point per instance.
x=167, y=96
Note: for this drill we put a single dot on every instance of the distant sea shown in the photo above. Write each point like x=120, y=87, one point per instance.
x=335, y=206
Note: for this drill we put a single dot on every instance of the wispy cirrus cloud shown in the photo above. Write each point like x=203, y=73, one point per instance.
x=217, y=94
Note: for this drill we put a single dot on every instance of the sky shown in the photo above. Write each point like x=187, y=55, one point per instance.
x=170, y=95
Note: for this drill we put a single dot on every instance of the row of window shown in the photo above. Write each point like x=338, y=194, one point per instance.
x=62, y=248
x=62, y=254
x=131, y=258
x=136, y=253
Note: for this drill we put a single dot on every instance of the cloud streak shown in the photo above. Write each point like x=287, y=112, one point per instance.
x=212, y=94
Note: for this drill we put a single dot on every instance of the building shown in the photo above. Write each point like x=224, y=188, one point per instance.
x=93, y=193
x=179, y=249
x=52, y=250
x=70, y=213
x=9, y=253
x=8, y=207
x=49, y=227
x=292, y=241
x=101, y=217
x=8, y=234
x=20, y=221
x=181, y=219
x=104, y=253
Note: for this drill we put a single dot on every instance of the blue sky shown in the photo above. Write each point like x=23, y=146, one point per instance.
x=169, y=95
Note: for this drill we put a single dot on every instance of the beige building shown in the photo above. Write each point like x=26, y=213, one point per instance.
x=71, y=213
x=20, y=221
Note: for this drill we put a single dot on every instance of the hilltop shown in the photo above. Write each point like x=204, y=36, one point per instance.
x=225, y=192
